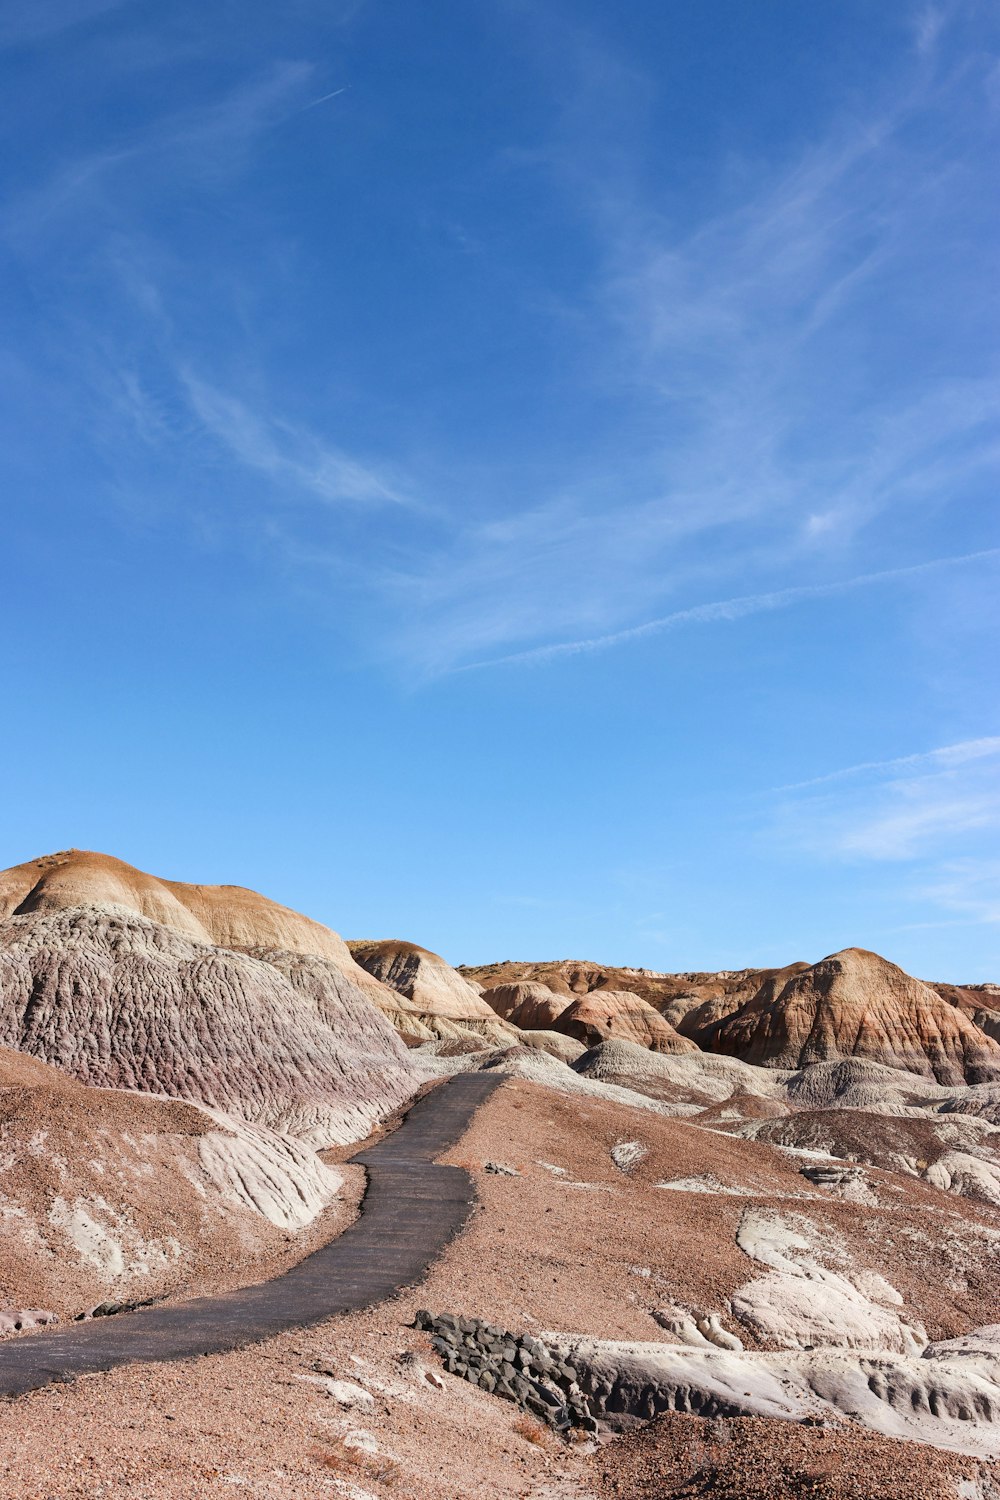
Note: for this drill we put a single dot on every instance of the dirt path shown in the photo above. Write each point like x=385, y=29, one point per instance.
x=411, y=1209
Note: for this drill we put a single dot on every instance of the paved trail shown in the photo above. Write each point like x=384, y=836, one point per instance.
x=410, y=1211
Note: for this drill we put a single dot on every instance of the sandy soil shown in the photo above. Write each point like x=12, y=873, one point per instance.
x=540, y=1252
x=754, y=1459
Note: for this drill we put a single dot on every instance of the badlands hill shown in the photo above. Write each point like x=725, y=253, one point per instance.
x=856, y=1004
x=851, y=1004
x=757, y=1211
x=207, y=993
x=433, y=999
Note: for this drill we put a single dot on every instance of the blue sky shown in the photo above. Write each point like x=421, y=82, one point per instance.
x=520, y=477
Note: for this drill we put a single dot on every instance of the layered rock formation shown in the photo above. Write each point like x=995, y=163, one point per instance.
x=527, y=1004
x=126, y=982
x=856, y=1004
x=432, y=1000
x=606, y=1015
x=853, y=1004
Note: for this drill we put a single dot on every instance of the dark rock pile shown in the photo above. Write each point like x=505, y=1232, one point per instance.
x=517, y=1367
x=832, y=1174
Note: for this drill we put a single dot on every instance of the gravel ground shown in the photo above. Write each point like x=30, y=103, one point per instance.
x=751, y=1458
x=592, y=1248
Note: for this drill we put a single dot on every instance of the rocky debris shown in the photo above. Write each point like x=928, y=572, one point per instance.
x=350, y=1396
x=756, y=1458
x=112, y=1309
x=627, y=1154
x=499, y=1170
x=926, y=1137
x=833, y=1174
x=516, y=1367
x=24, y=1319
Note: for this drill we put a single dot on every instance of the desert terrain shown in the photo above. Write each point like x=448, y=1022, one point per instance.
x=728, y=1234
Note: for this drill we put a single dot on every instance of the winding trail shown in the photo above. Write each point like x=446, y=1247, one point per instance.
x=411, y=1209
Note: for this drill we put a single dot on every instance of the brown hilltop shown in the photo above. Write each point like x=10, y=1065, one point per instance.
x=227, y=916
x=852, y=1004
x=527, y=1003
x=573, y=976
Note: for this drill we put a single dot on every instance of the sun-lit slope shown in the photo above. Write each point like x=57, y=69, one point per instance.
x=106, y=972
x=856, y=1004
x=853, y=1004
x=433, y=999
x=606, y=1015
x=527, y=1003
x=225, y=915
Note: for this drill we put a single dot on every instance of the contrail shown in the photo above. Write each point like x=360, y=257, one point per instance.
x=724, y=609
x=944, y=757
x=323, y=98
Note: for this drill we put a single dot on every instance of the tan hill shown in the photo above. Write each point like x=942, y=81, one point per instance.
x=856, y=1004
x=109, y=1194
x=226, y=916
x=617, y=1015
x=527, y=1004
x=110, y=974
x=433, y=999
x=574, y=976
x=696, y=1014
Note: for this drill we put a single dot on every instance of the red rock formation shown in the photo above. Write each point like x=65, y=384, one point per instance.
x=856, y=1004
x=531, y=1006
x=617, y=1015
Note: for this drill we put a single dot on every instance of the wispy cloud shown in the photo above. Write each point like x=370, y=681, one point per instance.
x=28, y=21
x=767, y=442
x=970, y=887
x=931, y=805
x=204, y=140
x=727, y=610
x=288, y=454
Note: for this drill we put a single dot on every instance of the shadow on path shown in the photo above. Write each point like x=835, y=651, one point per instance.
x=410, y=1211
